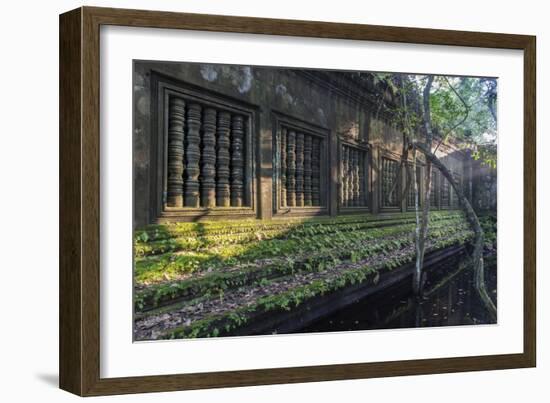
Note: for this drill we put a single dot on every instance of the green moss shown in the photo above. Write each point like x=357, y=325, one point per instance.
x=185, y=264
x=156, y=260
x=489, y=225
x=228, y=322
x=232, y=266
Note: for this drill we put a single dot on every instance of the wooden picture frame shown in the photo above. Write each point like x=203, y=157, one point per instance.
x=80, y=200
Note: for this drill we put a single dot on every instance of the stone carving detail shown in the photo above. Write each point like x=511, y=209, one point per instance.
x=341, y=188
x=299, y=170
x=207, y=162
x=445, y=192
x=352, y=177
x=345, y=177
x=315, y=171
x=389, y=171
x=176, y=126
x=454, y=196
x=223, y=160
x=307, y=171
x=355, y=177
x=283, y=184
x=362, y=197
x=192, y=155
x=237, y=161
x=208, y=159
x=291, y=169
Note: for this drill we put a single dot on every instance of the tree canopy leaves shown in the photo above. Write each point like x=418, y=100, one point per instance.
x=463, y=109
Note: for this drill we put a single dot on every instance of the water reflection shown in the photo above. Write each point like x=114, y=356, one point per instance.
x=449, y=299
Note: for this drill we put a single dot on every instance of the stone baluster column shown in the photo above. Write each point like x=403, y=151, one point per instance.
x=176, y=126
x=347, y=178
x=192, y=156
x=385, y=181
x=341, y=175
x=283, y=168
x=352, y=179
x=361, y=176
x=389, y=176
x=315, y=171
x=222, y=160
x=237, y=161
x=208, y=160
x=307, y=170
x=291, y=169
x=357, y=186
x=300, y=170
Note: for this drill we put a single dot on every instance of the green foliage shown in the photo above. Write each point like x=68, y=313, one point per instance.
x=466, y=107
x=489, y=225
x=463, y=109
x=453, y=98
x=285, y=301
x=175, y=251
x=486, y=153
x=319, y=248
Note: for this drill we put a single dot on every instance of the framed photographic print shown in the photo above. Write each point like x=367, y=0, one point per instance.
x=251, y=201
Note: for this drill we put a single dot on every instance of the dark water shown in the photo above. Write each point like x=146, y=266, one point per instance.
x=449, y=299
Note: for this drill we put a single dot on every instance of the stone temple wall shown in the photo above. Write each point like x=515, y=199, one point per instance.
x=219, y=141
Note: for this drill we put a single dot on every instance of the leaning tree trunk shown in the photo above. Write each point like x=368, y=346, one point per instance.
x=422, y=232
x=479, y=278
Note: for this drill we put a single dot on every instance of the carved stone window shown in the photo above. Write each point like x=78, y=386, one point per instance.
x=445, y=200
x=391, y=182
x=300, y=167
x=205, y=152
x=436, y=185
x=353, y=177
x=454, y=196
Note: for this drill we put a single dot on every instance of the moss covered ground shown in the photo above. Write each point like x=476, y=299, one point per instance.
x=208, y=279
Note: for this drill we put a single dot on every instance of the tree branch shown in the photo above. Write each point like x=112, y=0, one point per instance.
x=444, y=137
x=424, y=219
x=474, y=223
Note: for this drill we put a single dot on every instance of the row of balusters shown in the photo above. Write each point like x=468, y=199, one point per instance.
x=300, y=168
x=435, y=187
x=352, y=177
x=454, y=196
x=206, y=164
x=440, y=187
x=445, y=193
x=442, y=194
x=389, y=188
